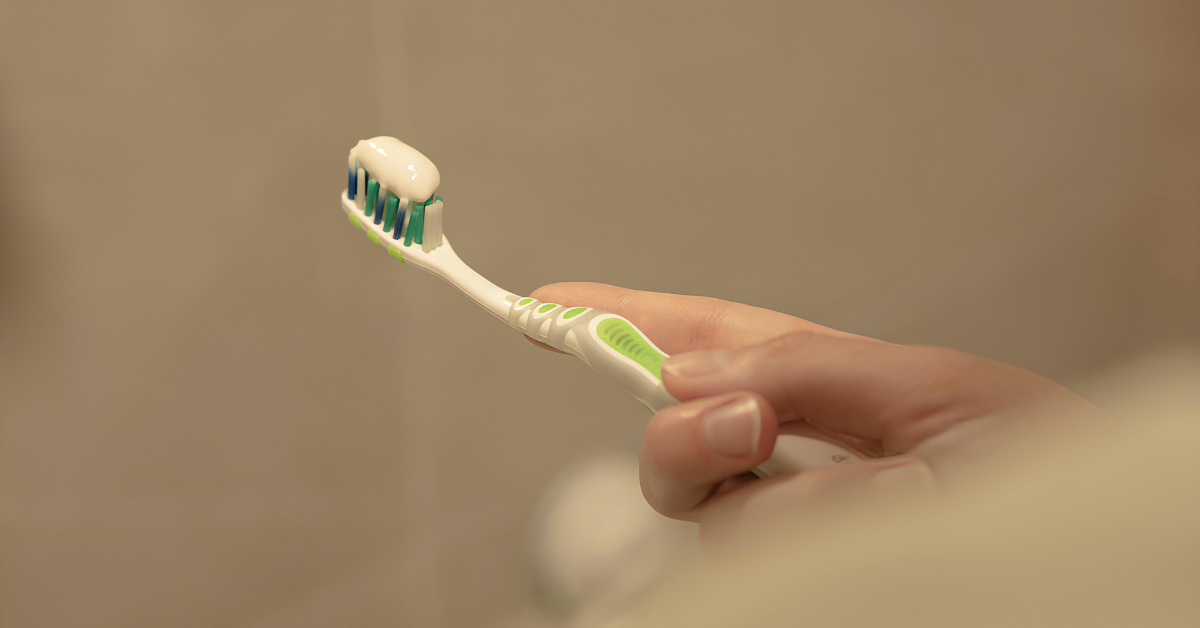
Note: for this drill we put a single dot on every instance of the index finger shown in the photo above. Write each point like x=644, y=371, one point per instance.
x=678, y=323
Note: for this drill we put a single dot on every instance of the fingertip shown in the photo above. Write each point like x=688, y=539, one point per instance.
x=689, y=375
x=688, y=448
x=769, y=429
x=744, y=429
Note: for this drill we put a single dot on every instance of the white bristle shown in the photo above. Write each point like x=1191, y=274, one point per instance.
x=360, y=195
x=402, y=210
x=433, y=226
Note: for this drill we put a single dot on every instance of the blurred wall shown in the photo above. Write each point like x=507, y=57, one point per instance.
x=221, y=407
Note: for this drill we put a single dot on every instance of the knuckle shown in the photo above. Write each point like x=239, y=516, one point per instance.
x=950, y=359
x=946, y=370
x=711, y=316
x=779, y=349
x=792, y=341
x=941, y=387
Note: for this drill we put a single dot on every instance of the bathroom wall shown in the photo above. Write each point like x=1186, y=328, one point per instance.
x=219, y=406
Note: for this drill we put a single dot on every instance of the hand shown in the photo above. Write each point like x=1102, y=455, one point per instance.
x=740, y=371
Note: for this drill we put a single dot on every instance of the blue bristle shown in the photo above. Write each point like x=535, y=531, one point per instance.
x=351, y=183
x=399, y=229
x=379, y=199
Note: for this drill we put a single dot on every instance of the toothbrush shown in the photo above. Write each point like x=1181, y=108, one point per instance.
x=391, y=194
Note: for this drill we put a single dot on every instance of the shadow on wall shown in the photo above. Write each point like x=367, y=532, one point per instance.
x=13, y=286
x=27, y=256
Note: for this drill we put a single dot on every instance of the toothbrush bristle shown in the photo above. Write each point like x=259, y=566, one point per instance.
x=389, y=218
x=414, y=223
x=433, y=225
x=360, y=185
x=379, y=201
x=406, y=220
x=372, y=194
x=399, y=230
x=420, y=237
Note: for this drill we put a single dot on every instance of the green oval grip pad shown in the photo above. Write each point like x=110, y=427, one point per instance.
x=628, y=341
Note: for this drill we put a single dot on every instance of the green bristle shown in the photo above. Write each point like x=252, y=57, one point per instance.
x=419, y=239
x=372, y=194
x=414, y=221
x=389, y=218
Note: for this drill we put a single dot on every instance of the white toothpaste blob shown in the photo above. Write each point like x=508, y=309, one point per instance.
x=398, y=167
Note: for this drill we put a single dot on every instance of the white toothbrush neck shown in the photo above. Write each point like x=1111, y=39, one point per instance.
x=441, y=261
x=445, y=263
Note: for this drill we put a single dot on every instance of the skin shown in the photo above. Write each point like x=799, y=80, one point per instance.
x=913, y=412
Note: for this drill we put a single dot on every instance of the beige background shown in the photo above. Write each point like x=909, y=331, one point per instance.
x=221, y=407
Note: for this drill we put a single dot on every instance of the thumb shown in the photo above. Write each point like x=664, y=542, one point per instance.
x=892, y=394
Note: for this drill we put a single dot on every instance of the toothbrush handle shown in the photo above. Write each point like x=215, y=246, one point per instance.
x=611, y=344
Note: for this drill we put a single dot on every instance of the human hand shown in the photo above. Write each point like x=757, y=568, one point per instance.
x=740, y=372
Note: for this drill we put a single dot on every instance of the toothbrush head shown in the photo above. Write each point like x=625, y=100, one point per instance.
x=397, y=167
x=395, y=186
x=391, y=195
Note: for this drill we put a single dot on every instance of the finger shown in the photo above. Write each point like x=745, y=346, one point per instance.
x=541, y=345
x=783, y=504
x=678, y=323
x=688, y=448
x=857, y=386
